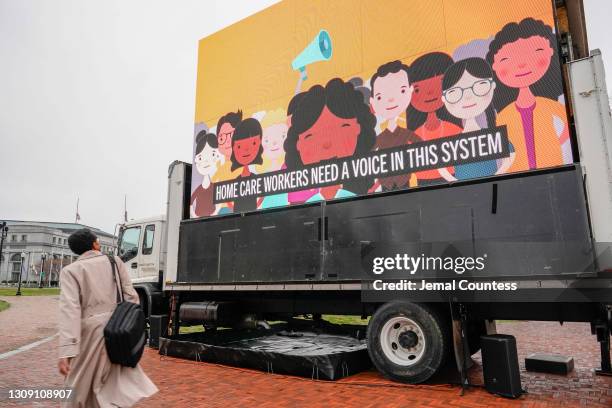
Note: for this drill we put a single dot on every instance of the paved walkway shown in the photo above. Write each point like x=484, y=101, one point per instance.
x=187, y=383
x=29, y=318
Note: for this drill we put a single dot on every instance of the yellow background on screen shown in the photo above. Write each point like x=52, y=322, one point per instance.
x=248, y=64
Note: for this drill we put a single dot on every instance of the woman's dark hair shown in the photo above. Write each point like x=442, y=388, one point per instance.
x=233, y=118
x=549, y=86
x=247, y=128
x=81, y=241
x=428, y=66
x=357, y=83
x=476, y=67
x=342, y=100
x=294, y=103
x=203, y=139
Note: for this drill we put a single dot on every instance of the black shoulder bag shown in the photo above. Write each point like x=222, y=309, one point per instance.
x=124, y=334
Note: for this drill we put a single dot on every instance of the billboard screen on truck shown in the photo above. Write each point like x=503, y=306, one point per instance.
x=316, y=100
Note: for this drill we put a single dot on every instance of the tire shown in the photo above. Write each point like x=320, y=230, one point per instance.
x=407, y=342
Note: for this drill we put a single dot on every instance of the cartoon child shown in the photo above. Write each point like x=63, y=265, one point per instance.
x=225, y=132
x=330, y=122
x=246, y=151
x=524, y=59
x=426, y=115
x=274, y=125
x=467, y=90
x=391, y=95
x=206, y=161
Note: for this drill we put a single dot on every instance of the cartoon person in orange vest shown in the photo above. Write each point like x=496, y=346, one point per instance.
x=523, y=56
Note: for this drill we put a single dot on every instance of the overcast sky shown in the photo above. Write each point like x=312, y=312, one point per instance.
x=97, y=98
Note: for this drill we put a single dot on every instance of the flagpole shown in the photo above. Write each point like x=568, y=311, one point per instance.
x=77, y=217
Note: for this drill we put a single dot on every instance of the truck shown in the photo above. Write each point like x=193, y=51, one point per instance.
x=543, y=236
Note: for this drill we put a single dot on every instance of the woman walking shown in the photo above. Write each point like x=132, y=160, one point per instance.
x=87, y=301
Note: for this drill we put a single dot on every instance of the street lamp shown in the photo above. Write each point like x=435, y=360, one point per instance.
x=43, y=256
x=23, y=256
x=3, y=233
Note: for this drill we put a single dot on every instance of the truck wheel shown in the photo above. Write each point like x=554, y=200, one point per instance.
x=407, y=342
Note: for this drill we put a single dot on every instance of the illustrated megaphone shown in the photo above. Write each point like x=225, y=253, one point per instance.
x=319, y=49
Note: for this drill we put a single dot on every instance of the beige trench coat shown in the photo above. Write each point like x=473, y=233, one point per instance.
x=87, y=299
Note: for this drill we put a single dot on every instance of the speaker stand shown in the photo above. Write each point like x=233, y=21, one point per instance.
x=460, y=345
x=602, y=330
x=606, y=366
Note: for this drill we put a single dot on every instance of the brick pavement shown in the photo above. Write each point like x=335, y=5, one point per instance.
x=29, y=318
x=187, y=383
x=200, y=384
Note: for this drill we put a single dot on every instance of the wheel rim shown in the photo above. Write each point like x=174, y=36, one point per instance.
x=402, y=341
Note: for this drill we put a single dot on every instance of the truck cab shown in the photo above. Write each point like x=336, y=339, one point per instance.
x=140, y=248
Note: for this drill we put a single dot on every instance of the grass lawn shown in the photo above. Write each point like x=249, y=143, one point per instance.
x=191, y=329
x=336, y=319
x=342, y=319
x=4, y=305
x=29, y=291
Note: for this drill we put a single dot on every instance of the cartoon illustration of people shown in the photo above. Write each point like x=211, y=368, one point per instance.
x=206, y=161
x=426, y=115
x=528, y=76
x=294, y=104
x=467, y=91
x=298, y=197
x=225, y=132
x=391, y=95
x=330, y=122
x=275, y=127
x=358, y=84
x=246, y=151
x=512, y=79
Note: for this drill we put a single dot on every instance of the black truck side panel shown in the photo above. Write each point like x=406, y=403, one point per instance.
x=528, y=225
x=273, y=246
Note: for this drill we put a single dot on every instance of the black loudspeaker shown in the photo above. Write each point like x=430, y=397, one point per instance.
x=158, y=325
x=500, y=365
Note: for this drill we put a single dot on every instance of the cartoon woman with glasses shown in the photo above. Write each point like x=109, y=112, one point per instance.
x=467, y=92
x=225, y=131
x=524, y=59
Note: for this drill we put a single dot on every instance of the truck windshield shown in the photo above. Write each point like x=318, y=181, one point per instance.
x=128, y=243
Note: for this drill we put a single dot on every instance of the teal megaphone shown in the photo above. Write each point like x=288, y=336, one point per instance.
x=319, y=49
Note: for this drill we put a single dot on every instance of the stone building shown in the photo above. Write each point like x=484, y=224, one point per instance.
x=32, y=247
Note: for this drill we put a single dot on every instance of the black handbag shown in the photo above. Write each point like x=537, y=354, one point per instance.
x=124, y=334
